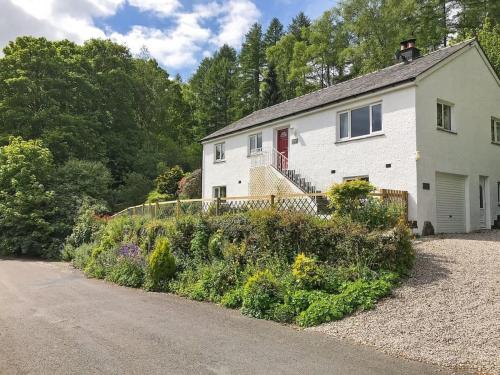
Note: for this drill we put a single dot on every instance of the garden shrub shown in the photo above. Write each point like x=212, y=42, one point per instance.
x=199, y=242
x=233, y=298
x=160, y=266
x=360, y=294
x=284, y=266
x=126, y=272
x=81, y=255
x=216, y=244
x=260, y=292
x=352, y=199
x=306, y=272
x=282, y=313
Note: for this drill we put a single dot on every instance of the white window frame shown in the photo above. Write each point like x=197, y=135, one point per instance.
x=256, y=150
x=371, y=133
x=222, y=146
x=443, y=104
x=356, y=178
x=495, y=130
x=498, y=193
x=216, y=191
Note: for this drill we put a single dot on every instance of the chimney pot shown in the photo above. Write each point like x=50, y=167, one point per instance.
x=408, y=51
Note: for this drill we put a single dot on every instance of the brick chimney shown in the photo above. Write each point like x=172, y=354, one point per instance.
x=407, y=51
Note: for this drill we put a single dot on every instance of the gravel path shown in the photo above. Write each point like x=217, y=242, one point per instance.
x=447, y=312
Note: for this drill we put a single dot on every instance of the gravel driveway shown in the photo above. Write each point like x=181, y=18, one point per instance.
x=447, y=313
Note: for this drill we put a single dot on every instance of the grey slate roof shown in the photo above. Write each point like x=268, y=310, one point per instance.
x=387, y=77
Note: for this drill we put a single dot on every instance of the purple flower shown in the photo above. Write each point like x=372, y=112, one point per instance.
x=129, y=251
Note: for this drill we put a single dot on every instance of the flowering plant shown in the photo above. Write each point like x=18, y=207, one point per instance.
x=129, y=251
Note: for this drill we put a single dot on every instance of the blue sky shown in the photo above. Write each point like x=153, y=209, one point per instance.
x=178, y=33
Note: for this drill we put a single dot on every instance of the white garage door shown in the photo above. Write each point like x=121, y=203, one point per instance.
x=450, y=203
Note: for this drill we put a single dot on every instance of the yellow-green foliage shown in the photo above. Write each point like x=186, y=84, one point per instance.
x=161, y=264
x=306, y=272
x=349, y=196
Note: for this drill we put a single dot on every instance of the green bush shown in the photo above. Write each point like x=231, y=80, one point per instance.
x=233, y=298
x=306, y=272
x=284, y=266
x=127, y=272
x=260, y=292
x=360, y=294
x=81, y=255
x=216, y=244
x=168, y=181
x=282, y=313
x=160, y=265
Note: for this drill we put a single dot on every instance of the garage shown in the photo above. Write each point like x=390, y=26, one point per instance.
x=450, y=203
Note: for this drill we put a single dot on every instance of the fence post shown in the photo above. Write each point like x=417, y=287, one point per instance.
x=384, y=194
x=217, y=206
x=178, y=208
x=157, y=209
x=143, y=209
x=271, y=198
x=405, y=202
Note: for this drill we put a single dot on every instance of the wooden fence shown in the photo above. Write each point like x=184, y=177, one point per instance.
x=312, y=203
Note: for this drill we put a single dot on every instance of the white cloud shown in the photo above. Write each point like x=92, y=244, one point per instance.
x=160, y=7
x=239, y=15
x=178, y=46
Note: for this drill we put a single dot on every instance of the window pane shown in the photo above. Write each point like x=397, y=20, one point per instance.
x=498, y=131
x=360, y=122
x=447, y=117
x=259, y=141
x=377, y=118
x=217, y=152
x=492, y=130
x=344, y=125
x=440, y=115
x=252, y=143
x=222, y=192
x=223, y=151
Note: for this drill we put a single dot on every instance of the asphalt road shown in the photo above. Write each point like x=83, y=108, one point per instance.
x=54, y=321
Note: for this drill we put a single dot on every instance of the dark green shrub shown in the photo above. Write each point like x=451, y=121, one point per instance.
x=260, y=292
x=282, y=313
x=300, y=300
x=160, y=265
x=235, y=227
x=87, y=227
x=180, y=234
x=216, y=244
x=168, y=181
x=199, y=242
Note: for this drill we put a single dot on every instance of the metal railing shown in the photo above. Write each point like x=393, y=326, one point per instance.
x=299, y=202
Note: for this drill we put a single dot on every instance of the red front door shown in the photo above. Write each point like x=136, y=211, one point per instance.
x=283, y=149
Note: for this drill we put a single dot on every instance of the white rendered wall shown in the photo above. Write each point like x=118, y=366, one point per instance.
x=318, y=153
x=467, y=83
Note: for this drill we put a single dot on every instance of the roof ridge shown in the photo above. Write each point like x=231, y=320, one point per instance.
x=357, y=77
x=392, y=74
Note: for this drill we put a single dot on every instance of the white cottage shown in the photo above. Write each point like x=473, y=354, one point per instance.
x=429, y=125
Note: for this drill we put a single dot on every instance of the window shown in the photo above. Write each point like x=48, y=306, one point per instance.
x=498, y=193
x=361, y=121
x=220, y=152
x=495, y=130
x=255, y=143
x=444, y=116
x=355, y=178
x=219, y=192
